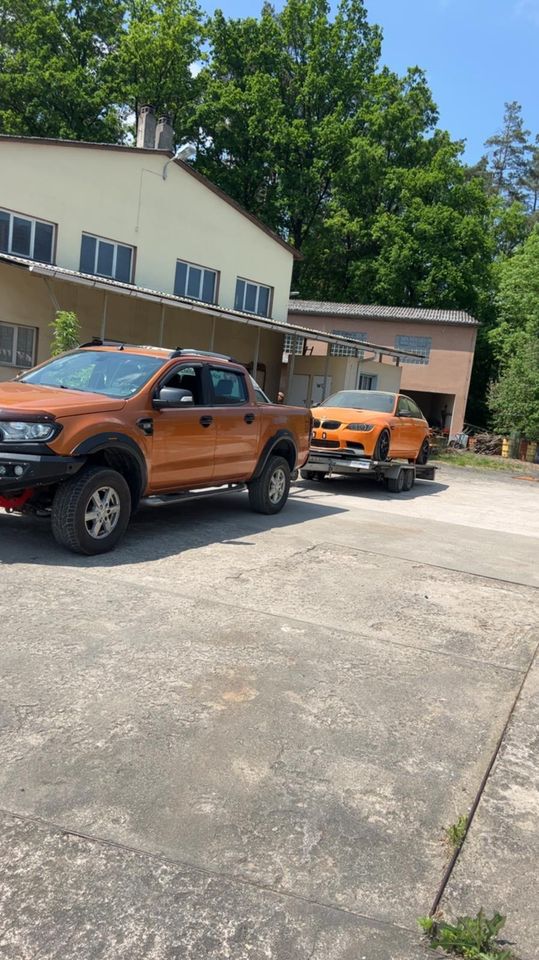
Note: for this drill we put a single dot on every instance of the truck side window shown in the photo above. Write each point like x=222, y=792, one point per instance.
x=187, y=378
x=229, y=386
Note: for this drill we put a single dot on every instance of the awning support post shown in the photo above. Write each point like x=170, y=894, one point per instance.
x=291, y=359
x=104, y=316
x=162, y=326
x=257, y=353
x=212, y=334
x=326, y=369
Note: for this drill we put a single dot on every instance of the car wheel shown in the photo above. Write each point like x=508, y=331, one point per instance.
x=381, y=450
x=269, y=492
x=424, y=452
x=90, y=512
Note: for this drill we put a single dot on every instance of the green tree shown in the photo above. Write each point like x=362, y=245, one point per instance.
x=514, y=397
x=54, y=68
x=509, y=154
x=152, y=63
x=66, y=332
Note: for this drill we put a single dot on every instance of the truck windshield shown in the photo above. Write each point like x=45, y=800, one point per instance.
x=114, y=374
x=362, y=400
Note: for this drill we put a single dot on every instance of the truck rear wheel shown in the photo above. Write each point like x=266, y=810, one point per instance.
x=90, y=512
x=269, y=492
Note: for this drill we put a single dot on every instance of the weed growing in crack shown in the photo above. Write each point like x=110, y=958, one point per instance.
x=471, y=937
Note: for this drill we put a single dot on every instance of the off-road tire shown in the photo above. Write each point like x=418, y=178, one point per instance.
x=424, y=453
x=277, y=470
x=69, y=507
x=383, y=445
x=396, y=484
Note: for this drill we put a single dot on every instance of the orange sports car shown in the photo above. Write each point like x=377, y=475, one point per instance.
x=373, y=424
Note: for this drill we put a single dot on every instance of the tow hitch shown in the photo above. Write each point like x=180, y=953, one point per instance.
x=12, y=504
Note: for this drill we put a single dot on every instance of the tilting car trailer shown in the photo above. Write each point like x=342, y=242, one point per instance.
x=396, y=475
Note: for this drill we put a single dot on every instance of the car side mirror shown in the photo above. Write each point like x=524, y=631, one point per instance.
x=173, y=398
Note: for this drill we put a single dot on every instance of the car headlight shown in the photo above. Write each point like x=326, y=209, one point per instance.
x=17, y=430
x=360, y=427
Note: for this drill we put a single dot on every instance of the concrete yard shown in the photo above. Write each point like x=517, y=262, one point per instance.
x=242, y=737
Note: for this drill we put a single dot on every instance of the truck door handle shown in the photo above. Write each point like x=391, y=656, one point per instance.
x=249, y=417
x=206, y=421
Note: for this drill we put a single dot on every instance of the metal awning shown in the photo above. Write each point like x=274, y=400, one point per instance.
x=51, y=272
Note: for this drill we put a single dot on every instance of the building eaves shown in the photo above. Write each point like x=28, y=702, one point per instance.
x=52, y=272
x=121, y=148
x=362, y=311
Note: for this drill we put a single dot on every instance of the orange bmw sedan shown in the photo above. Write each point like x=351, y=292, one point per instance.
x=382, y=426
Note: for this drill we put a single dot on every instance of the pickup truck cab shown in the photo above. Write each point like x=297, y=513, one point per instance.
x=88, y=434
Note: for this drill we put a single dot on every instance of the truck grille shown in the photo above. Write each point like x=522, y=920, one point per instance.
x=331, y=424
x=325, y=443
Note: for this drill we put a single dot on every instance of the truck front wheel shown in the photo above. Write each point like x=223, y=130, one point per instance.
x=90, y=511
x=269, y=492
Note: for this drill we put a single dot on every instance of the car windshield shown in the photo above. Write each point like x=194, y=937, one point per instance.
x=362, y=400
x=114, y=374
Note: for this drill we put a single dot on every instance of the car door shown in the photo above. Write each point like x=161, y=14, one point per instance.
x=402, y=430
x=420, y=428
x=183, y=449
x=237, y=420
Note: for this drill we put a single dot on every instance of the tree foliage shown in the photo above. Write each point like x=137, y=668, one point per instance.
x=65, y=332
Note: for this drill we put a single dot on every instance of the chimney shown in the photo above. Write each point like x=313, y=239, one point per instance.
x=146, y=128
x=164, y=134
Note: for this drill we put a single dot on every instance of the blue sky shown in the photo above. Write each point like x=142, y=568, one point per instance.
x=477, y=54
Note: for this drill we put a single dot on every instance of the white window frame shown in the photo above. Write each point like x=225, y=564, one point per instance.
x=16, y=327
x=259, y=287
x=345, y=349
x=33, y=221
x=372, y=377
x=203, y=269
x=409, y=343
x=115, y=244
x=288, y=344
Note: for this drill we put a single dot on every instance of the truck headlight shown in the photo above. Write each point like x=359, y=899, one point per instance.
x=360, y=427
x=17, y=430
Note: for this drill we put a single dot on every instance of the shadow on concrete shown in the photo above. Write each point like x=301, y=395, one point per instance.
x=158, y=532
x=355, y=486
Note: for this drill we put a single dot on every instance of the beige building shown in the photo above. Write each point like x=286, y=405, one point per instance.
x=143, y=249
x=441, y=344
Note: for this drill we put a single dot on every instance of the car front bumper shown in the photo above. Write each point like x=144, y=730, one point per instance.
x=19, y=471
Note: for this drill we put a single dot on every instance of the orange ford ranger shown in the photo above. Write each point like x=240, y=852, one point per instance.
x=87, y=435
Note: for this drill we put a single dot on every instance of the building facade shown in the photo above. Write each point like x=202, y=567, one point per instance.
x=104, y=231
x=442, y=344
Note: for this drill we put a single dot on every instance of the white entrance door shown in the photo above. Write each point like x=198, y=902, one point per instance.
x=319, y=393
x=299, y=391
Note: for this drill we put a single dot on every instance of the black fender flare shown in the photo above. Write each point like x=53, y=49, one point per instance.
x=282, y=438
x=124, y=444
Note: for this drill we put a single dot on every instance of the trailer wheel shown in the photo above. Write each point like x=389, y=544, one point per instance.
x=409, y=479
x=381, y=450
x=396, y=484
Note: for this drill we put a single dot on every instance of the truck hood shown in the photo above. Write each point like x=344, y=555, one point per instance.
x=20, y=399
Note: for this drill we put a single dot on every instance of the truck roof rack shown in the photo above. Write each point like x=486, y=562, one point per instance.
x=98, y=342
x=190, y=351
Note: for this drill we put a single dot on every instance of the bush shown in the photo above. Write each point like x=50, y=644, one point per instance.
x=66, y=332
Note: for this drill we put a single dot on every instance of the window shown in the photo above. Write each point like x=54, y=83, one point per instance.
x=259, y=393
x=105, y=258
x=26, y=237
x=228, y=386
x=343, y=350
x=252, y=297
x=187, y=378
x=115, y=374
x=288, y=345
x=414, y=409
x=196, y=282
x=403, y=407
x=419, y=345
x=17, y=345
x=367, y=381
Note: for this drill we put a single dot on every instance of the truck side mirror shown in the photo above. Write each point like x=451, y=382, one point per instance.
x=173, y=398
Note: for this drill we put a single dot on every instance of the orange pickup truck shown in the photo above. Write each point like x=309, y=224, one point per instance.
x=87, y=435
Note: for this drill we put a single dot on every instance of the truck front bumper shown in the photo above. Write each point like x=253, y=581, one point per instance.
x=20, y=471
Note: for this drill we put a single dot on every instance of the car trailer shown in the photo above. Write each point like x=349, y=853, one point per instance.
x=396, y=475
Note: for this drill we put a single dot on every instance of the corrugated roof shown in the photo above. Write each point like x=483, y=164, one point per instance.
x=364, y=311
x=52, y=271
x=134, y=151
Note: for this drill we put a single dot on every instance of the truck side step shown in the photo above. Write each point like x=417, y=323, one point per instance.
x=161, y=500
